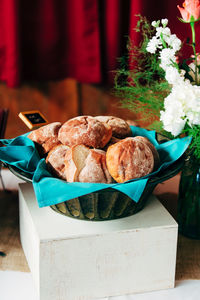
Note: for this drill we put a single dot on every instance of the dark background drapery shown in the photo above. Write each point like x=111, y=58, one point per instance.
x=82, y=39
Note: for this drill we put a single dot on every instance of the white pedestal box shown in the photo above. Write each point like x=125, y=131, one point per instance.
x=74, y=259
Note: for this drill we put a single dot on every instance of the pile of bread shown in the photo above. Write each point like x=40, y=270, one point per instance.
x=95, y=149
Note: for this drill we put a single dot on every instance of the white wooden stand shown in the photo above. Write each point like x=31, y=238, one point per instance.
x=72, y=259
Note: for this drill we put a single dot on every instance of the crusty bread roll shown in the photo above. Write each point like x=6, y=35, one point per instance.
x=129, y=159
x=75, y=161
x=86, y=165
x=46, y=136
x=95, y=169
x=85, y=130
x=120, y=128
x=56, y=160
x=153, y=149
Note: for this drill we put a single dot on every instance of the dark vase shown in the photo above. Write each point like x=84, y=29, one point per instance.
x=189, y=199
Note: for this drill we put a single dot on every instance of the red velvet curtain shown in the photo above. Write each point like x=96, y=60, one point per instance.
x=83, y=39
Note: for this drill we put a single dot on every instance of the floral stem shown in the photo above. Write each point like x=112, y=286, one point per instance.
x=163, y=41
x=194, y=49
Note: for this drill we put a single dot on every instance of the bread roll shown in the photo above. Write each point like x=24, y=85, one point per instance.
x=129, y=159
x=75, y=161
x=86, y=165
x=43, y=133
x=120, y=128
x=85, y=130
x=153, y=149
x=46, y=136
x=56, y=160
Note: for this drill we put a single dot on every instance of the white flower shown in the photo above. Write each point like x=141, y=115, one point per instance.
x=173, y=42
x=164, y=22
x=172, y=124
x=192, y=107
x=173, y=116
x=193, y=118
x=155, y=23
x=173, y=76
x=167, y=57
x=181, y=106
x=165, y=38
x=153, y=45
x=166, y=32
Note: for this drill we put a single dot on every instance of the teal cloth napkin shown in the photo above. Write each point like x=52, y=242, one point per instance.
x=21, y=152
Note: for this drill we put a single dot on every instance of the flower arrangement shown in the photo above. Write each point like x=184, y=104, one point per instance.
x=160, y=85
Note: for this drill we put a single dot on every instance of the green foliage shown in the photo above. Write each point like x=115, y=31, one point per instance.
x=184, y=66
x=195, y=144
x=140, y=82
